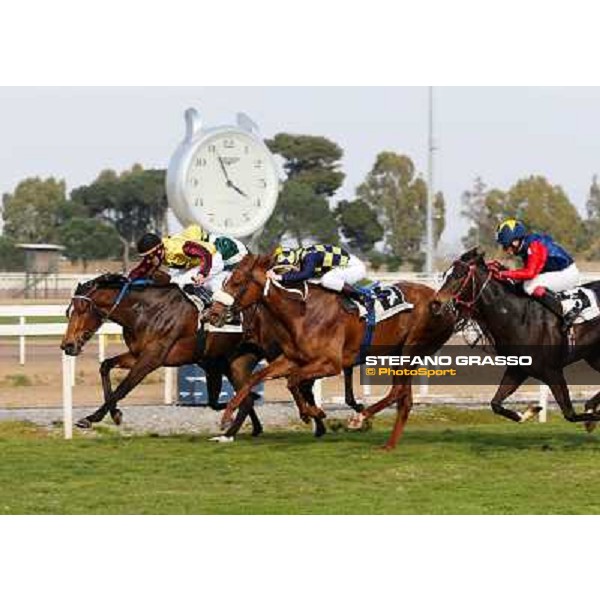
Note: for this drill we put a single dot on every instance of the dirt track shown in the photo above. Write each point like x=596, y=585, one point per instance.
x=39, y=382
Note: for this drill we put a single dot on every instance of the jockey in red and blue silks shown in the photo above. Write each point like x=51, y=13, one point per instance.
x=547, y=268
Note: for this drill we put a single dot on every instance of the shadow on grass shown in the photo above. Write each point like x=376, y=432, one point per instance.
x=479, y=438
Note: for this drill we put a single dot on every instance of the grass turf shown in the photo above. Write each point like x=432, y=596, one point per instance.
x=449, y=462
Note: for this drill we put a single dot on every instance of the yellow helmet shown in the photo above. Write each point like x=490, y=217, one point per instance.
x=195, y=233
x=285, y=256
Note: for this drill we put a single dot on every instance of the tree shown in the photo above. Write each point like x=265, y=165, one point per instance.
x=592, y=246
x=133, y=202
x=593, y=201
x=399, y=198
x=35, y=210
x=310, y=159
x=359, y=225
x=480, y=207
x=535, y=201
x=88, y=239
x=546, y=207
x=12, y=258
x=301, y=215
x=311, y=164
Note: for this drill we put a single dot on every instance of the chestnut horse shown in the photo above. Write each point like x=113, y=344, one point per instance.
x=319, y=337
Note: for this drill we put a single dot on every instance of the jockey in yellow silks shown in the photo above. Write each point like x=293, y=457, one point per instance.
x=192, y=256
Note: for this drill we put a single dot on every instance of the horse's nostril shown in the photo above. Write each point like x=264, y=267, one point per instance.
x=68, y=349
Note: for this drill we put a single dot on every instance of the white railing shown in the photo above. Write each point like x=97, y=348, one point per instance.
x=65, y=283
x=23, y=330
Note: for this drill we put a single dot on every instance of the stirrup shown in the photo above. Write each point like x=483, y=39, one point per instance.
x=569, y=319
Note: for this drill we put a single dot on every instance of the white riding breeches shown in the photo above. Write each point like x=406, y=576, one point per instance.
x=335, y=279
x=555, y=281
x=215, y=282
x=214, y=278
x=182, y=278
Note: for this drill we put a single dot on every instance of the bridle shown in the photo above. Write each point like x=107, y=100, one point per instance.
x=102, y=315
x=469, y=282
x=250, y=278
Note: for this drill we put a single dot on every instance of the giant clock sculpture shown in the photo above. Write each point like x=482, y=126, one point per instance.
x=224, y=178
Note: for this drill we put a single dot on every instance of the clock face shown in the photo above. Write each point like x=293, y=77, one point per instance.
x=231, y=183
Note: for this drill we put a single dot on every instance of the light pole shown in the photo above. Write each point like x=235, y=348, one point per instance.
x=430, y=193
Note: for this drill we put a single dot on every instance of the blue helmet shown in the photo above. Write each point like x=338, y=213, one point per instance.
x=510, y=230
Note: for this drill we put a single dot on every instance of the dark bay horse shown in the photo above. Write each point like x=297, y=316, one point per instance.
x=160, y=329
x=320, y=338
x=516, y=323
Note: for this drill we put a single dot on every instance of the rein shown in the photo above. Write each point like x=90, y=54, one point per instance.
x=232, y=302
x=102, y=314
x=470, y=278
x=303, y=294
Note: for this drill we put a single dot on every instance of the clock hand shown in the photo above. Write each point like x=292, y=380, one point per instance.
x=237, y=189
x=224, y=169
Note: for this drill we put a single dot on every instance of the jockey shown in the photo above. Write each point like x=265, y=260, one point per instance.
x=190, y=261
x=547, y=268
x=231, y=250
x=335, y=268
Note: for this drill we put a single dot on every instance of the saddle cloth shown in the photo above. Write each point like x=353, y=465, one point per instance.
x=203, y=303
x=582, y=299
x=389, y=301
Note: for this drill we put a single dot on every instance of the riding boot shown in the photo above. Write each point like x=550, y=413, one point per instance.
x=552, y=303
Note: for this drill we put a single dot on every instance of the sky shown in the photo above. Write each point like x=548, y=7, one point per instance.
x=498, y=133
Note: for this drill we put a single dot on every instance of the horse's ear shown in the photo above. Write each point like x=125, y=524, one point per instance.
x=469, y=255
x=265, y=261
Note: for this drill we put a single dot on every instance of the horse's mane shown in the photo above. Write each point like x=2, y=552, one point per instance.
x=106, y=280
x=116, y=281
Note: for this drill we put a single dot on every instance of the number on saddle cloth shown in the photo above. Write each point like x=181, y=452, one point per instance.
x=389, y=296
x=581, y=302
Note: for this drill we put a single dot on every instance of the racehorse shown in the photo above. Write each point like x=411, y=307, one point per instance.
x=160, y=329
x=516, y=323
x=319, y=337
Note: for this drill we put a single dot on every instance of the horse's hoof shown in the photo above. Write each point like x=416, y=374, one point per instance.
x=356, y=422
x=84, y=423
x=387, y=448
x=226, y=424
x=531, y=412
x=117, y=417
x=590, y=426
x=222, y=439
x=257, y=432
x=305, y=419
x=320, y=432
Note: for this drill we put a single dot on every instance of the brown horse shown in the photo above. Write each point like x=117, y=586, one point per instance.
x=319, y=337
x=160, y=329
